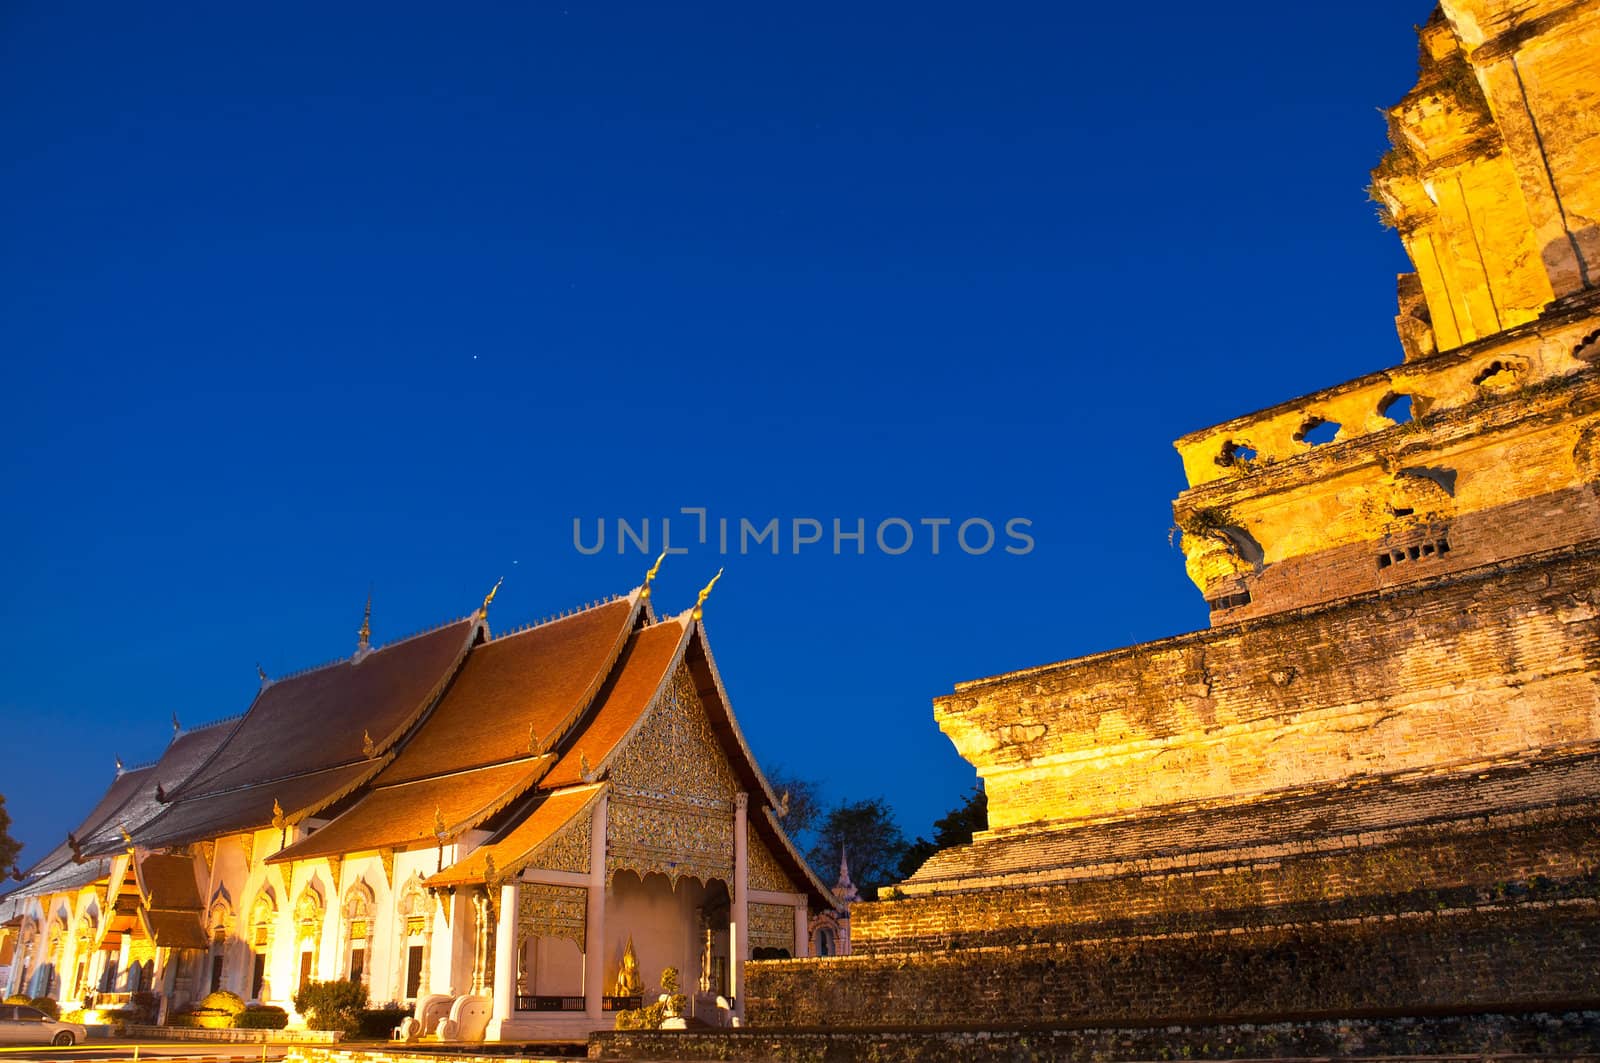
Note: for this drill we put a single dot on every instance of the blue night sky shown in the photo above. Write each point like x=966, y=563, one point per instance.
x=299, y=299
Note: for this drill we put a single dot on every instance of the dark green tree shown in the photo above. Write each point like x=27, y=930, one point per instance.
x=867, y=833
x=955, y=828
x=9, y=847
x=804, y=805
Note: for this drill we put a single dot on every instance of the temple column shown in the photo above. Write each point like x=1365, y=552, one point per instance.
x=594, y=934
x=505, y=964
x=802, y=929
x=739, y=931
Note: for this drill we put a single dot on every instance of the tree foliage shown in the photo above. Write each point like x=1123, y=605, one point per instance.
x=333, y=1005
x=954, y=828
x=804, y=804
x=9, y=847
x=867, y=833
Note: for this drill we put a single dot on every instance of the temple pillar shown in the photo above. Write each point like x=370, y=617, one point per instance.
x=505, y=964
x=802, y=930
x=594, y=935
x=739, y=931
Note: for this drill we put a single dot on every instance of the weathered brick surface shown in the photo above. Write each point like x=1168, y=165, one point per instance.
x=1433, y=676
x=1519, y=957
x=1552, y=855
x=1513, y=792
x=1458, y=1038
x=1527, y=526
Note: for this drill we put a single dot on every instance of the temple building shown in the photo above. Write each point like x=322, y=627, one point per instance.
x=512, y=835
x=1360, y=814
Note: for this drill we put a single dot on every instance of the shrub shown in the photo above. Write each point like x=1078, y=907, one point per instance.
x=261, y=1017
x=651, y=1016
x=46, y=1005
x=19, y=998
x=332, y=1005
x=73, y=1016
x=377, y=1024
x=222, y=1000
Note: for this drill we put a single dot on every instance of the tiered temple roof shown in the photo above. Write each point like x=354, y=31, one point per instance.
x=413, y=745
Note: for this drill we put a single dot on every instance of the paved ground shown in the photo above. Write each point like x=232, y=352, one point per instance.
x=99, y=1049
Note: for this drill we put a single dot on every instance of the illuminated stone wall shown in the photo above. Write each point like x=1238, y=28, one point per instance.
x=1418, y=679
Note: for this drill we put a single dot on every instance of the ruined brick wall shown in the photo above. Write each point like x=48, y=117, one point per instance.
x=1538, y=955
x=1421, y=678
x=1547, y=856
x=1553, y=1037
x=1427, y=549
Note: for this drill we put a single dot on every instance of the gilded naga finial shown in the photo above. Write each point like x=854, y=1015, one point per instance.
x=367, y=748
x=279, y=820
x=705, y=592
x=439, y=829
x=127, y=839
x=491, y=876
x=483, y=611
x=649, y=577
x=365, y=634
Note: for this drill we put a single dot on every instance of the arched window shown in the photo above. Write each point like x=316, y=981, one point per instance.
x=263, y=927
x=308, y=913
x=358, y=912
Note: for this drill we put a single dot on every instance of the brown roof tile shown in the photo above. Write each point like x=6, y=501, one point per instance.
x=316, y=720
x=248, y=809
x=122, y=787
x=167, y=881
x=402, y=816
x=520, y=846
x=174, y=930
x=542, y=679
x=644, y=666
x=183, y=755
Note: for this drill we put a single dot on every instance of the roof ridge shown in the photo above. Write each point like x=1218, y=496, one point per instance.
x=129, y=769
x=553, y=617
x=374, y=650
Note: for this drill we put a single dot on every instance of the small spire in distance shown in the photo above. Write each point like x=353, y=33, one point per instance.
x=119, y=765
x=705, y=592
x=177, y=728
x=365, y=634
x=649, y=577
x=262, y=672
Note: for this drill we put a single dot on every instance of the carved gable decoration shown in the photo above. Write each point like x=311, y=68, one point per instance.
x=569, y=849
x=771, y=926
x=674, y=755
x=765, y=874
x=671, y=809
x=552, y=911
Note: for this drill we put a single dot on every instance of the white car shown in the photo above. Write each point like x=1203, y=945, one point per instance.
x=20, y=1024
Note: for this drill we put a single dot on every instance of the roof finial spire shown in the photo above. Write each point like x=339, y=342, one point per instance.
x=127, y=839
x=650, y=576
x=177, y=728
x=365, y=634
x=262, y=672
x=705, y=592
x=483, y=612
